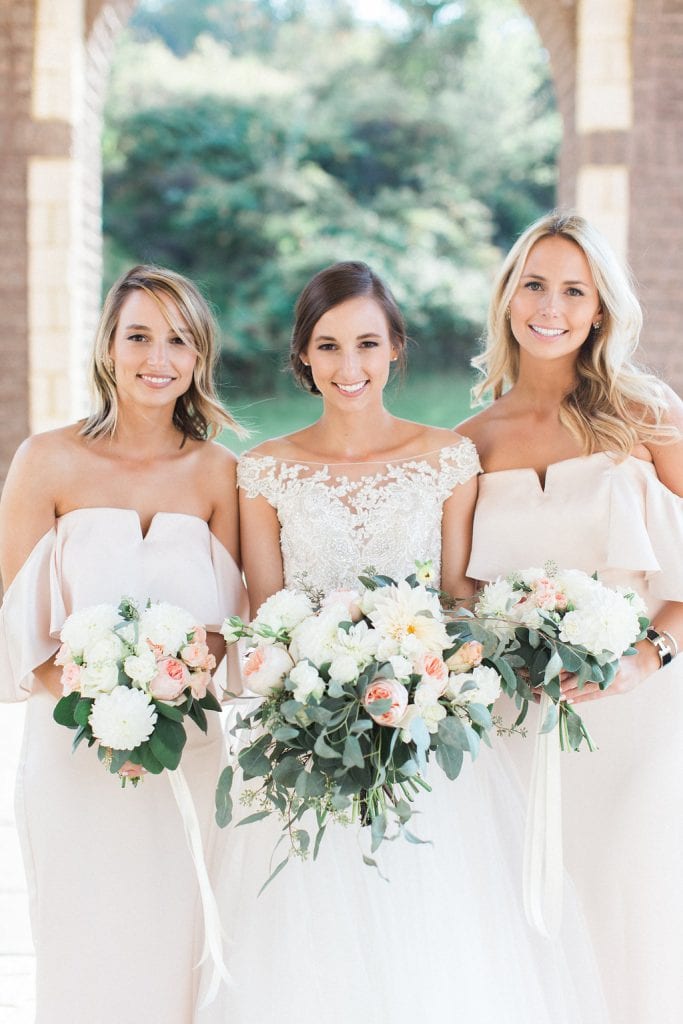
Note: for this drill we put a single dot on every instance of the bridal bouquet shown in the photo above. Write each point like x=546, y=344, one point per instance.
x=549, y=620
x=130, y=678
x=359, y=691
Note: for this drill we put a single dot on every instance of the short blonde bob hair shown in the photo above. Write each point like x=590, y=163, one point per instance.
x=198, y=414
x=615, y=404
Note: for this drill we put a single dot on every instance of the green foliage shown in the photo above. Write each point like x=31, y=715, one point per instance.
x=249, y=143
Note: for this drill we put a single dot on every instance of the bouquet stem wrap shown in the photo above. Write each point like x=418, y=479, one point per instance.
x=213, y=933
x=543, y=863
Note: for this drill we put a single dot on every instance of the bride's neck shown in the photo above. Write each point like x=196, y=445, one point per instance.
x=351, y=435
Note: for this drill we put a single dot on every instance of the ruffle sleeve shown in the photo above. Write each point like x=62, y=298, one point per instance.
x=232, y=599
x=31, y=619
x=646, y=531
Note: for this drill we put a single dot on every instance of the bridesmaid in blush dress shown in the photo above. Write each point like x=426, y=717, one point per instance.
x=583, y=465
x=136, y=500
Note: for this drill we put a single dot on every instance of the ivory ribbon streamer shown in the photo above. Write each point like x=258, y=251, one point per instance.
x=543, y=866
x=213, y=933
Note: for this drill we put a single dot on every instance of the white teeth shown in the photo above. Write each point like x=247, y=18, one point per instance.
x=156, y=380
x=351, y=389
x=548, y=332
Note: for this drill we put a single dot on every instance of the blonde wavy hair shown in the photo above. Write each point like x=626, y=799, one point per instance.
x=615, y=404
x=198, y=414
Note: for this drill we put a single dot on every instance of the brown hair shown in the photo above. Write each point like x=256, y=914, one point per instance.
x=198, y=414
x=329, y=288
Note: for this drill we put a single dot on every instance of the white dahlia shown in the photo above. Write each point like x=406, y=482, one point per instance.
x=123, y=718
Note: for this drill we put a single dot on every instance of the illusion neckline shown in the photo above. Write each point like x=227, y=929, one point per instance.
x=420, y=457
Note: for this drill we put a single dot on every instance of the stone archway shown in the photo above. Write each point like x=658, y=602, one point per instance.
x=616, y=69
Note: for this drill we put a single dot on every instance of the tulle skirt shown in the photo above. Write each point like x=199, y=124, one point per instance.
x=443, y=938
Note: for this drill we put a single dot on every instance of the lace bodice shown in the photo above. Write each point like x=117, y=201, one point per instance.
x=337, y=520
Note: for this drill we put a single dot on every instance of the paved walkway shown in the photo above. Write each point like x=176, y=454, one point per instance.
x=16, y=950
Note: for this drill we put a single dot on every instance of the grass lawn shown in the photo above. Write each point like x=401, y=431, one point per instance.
x=440, y=400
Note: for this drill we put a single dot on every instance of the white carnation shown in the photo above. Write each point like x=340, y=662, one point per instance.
x=85, y=627
x=123, y=718
x=102, y=677
x=306, y=682
x=283, y=611
x=166, y=626
x=344, y=669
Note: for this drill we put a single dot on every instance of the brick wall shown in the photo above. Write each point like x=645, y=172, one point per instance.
x=656, y=239
x=16, y=56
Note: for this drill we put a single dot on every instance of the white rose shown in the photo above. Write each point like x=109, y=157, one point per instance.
x=123, y=718
x=265, y=668
x=232, y=630
x=141, y=668
x=306, y=682
x=99, y=678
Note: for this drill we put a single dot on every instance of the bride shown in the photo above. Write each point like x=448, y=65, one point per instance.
x=331, y=940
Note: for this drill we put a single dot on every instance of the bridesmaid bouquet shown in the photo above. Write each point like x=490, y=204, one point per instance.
x=130, y=679
x=359, y=690
x=549, y=620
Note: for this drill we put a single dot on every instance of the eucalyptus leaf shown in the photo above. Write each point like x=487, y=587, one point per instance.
x=168, y=710
x=318, y=841
x=274, y=873
x=251, y=818
x=553, y=668
x=323, y=749
x=551, y=719
x=480, y=714
x=224, y=797
x=353, y=754
x=148, y=761
x=378, y=827
x=449, y=759
x=252, y=759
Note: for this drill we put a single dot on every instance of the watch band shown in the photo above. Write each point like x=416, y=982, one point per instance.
x=663, y=649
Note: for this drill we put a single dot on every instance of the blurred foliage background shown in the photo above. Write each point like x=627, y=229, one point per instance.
x=249, y=143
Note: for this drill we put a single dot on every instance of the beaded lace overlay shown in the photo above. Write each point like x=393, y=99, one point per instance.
x=335, y=524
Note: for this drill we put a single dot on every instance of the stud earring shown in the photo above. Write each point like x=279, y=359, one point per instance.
x=507, y=313
x=597, y=325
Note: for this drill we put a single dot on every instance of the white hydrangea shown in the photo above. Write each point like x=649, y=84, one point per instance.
x=166, y=627
x=606, y=624
x=306, y=682
x=123, y=718
x=283, y=611
x=82, y=629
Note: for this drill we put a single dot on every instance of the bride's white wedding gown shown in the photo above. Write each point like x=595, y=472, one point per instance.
x=445, y=939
